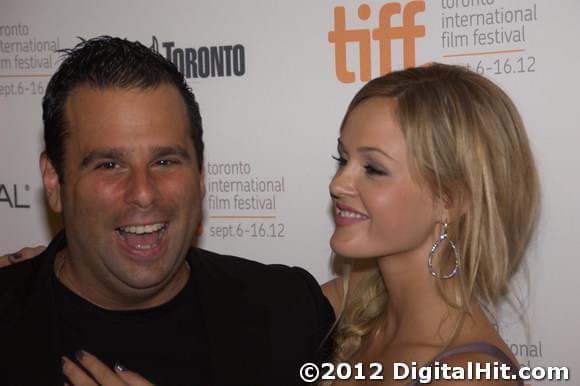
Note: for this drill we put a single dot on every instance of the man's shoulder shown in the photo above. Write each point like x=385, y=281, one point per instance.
x=273, y=285
x=26, y=312
x=23, y=287
x=253, y=273
x=31, y=273
x=299, y=315
x=23, y=274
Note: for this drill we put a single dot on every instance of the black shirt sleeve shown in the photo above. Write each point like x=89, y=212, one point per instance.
x=323, y=317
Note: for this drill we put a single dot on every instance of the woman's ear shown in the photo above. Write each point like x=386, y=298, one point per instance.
x=453, y=208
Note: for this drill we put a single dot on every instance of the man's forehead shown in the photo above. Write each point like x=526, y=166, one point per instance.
x=93, y=105
x=124, y=148
x=127, y=120
x=90, y=88
x=91, y=85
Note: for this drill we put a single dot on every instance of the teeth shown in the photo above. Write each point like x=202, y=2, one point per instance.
x=146, y=246
x=349, y=214
x=141, y=229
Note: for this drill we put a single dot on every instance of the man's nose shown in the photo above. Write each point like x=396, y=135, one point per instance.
x=142, y=190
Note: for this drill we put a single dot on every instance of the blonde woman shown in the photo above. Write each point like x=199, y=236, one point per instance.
x=435, y=196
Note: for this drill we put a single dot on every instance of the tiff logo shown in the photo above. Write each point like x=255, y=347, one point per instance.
x=384, y=35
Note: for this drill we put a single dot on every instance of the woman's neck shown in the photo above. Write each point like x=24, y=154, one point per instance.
x=416, y=309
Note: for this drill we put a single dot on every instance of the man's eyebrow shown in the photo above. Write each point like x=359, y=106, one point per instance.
x=103, y=153
x=164, y=151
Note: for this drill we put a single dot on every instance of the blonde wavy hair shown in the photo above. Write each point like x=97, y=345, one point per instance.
x=467, y=143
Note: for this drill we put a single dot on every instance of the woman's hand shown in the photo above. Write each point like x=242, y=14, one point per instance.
x=21, y=255
x=94, y=372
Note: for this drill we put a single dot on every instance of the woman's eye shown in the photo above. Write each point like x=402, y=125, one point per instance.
x=340, y=160
x=375, y=171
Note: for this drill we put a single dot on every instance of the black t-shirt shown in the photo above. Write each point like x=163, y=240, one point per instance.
x=165, y=344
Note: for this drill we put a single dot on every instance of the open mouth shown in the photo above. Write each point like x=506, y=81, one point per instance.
x=346, y=212
x=350, y=214
x=142, y=237
x=344, y=215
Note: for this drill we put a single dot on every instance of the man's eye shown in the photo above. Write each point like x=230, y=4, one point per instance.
x=340, y=160
x=166, y=162
x=107, y=165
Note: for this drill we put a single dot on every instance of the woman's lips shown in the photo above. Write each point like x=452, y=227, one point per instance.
x=344, y=215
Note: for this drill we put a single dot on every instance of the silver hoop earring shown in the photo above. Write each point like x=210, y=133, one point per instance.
x=442, y=237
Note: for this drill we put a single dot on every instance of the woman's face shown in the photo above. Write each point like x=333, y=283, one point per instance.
x=379, y=210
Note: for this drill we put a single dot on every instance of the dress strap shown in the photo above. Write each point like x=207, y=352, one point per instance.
x=477, y=347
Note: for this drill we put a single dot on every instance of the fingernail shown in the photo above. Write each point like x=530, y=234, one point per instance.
x=79, y=355
x=119, y=367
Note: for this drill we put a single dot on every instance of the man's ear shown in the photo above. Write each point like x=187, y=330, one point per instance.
x=51, y=183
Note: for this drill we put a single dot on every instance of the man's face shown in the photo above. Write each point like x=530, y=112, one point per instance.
x=131, y=193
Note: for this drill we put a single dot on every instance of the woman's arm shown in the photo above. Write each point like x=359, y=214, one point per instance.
x=21, y=255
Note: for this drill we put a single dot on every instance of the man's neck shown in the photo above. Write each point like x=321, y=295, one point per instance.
x=107, y=298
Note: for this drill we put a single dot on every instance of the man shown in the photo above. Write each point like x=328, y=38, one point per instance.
x=123, y=165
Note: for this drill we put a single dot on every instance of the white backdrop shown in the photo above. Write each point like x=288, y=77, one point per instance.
x=271, y=118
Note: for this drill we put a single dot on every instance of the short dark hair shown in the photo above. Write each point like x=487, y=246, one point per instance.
x=104, y=62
